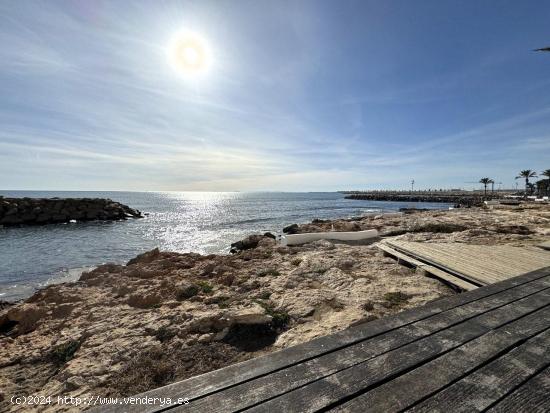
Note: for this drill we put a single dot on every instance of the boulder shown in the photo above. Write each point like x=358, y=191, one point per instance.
x=291, y=229
x=145, y=258
x=26, y=316
x=249, y=242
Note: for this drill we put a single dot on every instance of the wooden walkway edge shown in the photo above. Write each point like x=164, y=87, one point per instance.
x=476, y=264
x=446, y=277
x=486, y=348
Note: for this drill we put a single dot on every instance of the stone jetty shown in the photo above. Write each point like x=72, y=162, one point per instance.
x=41, y=211
x=458, y=199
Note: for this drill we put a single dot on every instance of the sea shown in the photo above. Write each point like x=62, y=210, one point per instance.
x=203, y=222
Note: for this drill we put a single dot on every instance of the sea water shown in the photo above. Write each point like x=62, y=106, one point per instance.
x=204, y=222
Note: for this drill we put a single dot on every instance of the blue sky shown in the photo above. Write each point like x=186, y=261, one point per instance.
x=300, y=95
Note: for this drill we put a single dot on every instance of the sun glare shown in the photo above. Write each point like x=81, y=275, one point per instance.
x=189, y=54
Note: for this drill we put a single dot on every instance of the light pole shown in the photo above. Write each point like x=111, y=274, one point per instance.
x=412, y=185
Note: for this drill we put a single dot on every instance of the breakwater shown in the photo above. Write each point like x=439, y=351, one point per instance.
x=41, y=211
x=459, y=199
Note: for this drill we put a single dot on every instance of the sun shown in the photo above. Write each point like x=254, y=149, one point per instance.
x=189, y=54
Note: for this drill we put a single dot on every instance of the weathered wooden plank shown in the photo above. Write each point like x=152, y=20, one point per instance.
x=451, y=279
x=452, y=262
x=480, y=389
x=266, y=387
x=436, y=272
x=399, y=255
x=532, y=397
x=347, y=383
x=518, y=257
x=217, y=380
x=403, y=391
x=486, y=261
x=486, y=264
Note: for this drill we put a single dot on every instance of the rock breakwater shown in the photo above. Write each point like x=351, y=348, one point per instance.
x=458, y=200
x=41, y=211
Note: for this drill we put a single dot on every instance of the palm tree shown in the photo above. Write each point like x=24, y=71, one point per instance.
x=485, y=182
x=492, y=182
x=546, y=173
x=527, y=173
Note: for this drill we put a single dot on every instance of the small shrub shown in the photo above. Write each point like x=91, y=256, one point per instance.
x=319, y=269
x=222, y=301
x=205, y=287
x=438, y=227
x=296, y=261
x=164, y=334
x=280, y=319
x=265, y=295
x=62, y=353
x=396, y=298
x=269, y=271
x=186, y=291
x=368, y=306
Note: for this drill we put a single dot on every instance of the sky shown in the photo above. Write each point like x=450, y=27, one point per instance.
x=299, y=95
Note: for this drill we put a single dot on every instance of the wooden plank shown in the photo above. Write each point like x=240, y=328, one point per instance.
x=436, y=272
x=460, y=266
x=217, y=380
x=491, y=382
x=260, y=389
x=334, y=389
x=399, y=255
x=455, y=261
x=488, y=260
x=531, y=397
x=403, y=391
x=485, y=264
x=451, y=279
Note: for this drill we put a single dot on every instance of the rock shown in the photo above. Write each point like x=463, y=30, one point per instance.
x=291, y=229
x=267, y=242
x=250, y=315
x=62, y=310
x=249, y=242
x=40, y=211
x=145, y=258
x=227, y=280
x=143, y=300
x=74, y=382
x=186, y=290
x=26, y=316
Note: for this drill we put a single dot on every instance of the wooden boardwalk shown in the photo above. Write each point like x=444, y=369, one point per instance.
x=482, y=350
x=477, y=264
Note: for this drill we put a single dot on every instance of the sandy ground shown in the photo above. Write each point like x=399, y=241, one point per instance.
x=121, y=330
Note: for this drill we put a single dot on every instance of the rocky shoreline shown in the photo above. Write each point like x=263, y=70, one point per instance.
x=164, y=316
x=42, y=211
